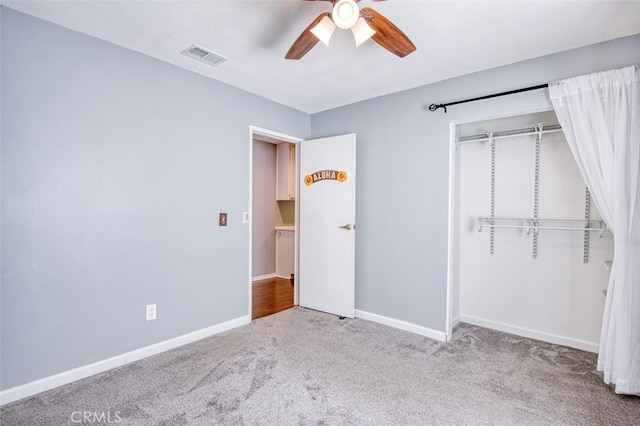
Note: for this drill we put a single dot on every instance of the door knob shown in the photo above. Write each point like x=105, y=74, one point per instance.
x=348, y=227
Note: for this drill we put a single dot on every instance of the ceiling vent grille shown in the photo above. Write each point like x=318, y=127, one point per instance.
x=204, y=55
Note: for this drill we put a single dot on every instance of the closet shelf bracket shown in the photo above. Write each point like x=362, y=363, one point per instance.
x=587, y=216
x=536, y=189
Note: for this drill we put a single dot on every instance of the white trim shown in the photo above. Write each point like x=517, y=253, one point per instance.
x=69, y=376
x=268, y=277
x=455, y=322
x=296, y=250
x=402, y=325
x=264, y=277
x=451, y=263
x=276, y=135
x=250, y=204
x=532, y=334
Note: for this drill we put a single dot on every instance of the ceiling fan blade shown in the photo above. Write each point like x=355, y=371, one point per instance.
x=305, y=42
x=387, y=34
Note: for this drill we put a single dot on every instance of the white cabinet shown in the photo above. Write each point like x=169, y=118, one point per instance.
x=285, y=172
x=285, y=251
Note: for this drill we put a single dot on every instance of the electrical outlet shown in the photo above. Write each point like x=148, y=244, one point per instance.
x=152, y=312
x=222, y=219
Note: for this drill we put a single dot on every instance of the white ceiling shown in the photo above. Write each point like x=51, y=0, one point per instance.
x=452, y=38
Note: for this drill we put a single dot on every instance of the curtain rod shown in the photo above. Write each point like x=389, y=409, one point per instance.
x=434, y=107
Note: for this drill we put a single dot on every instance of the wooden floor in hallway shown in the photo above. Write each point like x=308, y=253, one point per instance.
x=270, y=296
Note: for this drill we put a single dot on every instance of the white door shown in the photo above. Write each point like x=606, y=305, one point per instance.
x=327, y=224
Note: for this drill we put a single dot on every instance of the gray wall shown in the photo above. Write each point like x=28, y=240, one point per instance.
x=114, y=168
x=264, y=210
x=403, y=171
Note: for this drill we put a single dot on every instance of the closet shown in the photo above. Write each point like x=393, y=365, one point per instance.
x=528, y=248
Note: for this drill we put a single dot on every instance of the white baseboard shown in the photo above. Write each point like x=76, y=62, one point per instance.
x=402, y=325
x=264, y=277
x=268, y=277
x=532, y=334
x=13, y=394
x=455, y=322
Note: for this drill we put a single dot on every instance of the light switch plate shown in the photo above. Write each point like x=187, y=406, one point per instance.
x=222, y=220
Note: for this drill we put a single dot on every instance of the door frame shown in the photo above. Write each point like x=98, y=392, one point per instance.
x=270, y=134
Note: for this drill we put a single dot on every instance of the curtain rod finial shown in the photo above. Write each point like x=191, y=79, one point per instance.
x=434, y=107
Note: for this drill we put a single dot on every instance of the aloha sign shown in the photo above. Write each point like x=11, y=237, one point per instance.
x=339, y=175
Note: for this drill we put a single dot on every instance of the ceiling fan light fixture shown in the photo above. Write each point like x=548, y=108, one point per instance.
x=345, y=13
x=362, y=31
x=324, y=30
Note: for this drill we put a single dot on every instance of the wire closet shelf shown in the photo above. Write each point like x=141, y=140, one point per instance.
x=533, y=225
x=492, y=135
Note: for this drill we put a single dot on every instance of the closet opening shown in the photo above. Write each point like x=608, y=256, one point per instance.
x=528, y=250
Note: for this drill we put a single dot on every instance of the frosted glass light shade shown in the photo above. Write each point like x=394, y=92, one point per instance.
x=324, y=29
x=345, y=13
x=362, y=31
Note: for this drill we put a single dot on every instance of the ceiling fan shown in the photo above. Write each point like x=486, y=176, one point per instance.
x=365, y=23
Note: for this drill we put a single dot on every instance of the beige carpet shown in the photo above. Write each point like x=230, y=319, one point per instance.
x=302, y=367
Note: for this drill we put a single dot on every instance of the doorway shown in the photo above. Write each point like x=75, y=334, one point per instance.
x=273, y=222
x=323, y=230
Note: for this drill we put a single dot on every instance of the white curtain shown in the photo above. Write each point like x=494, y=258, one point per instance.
x=600, y=116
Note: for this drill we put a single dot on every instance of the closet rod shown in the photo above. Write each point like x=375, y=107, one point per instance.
x=434, y=107
x=510, y=219
x=482, y=138
x=553, y=228
x=522, y=219
x=588, y=225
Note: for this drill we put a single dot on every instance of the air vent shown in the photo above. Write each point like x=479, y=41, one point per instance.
x=204, y=55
